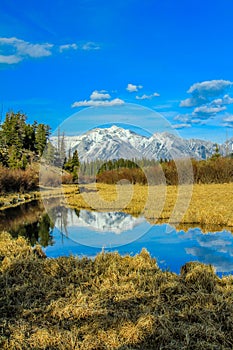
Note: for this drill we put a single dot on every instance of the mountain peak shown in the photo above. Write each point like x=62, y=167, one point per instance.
x=116, y=142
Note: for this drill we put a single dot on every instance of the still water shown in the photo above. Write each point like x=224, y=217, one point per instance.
x=67, y=231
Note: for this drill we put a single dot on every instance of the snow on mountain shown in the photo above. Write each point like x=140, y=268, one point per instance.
x=115, y=222
x=116, y=142
x=227, y=147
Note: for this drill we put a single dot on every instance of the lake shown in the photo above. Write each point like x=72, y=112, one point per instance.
x=64, y=231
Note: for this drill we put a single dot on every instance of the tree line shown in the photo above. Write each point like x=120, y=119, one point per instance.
x=216, y=169
x=21, y=143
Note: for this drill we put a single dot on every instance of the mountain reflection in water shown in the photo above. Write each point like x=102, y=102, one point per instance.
x=100, y=229
x=86, y=233
x=65, y=231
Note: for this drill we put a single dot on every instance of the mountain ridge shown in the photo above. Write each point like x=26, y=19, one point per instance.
x=116, y=142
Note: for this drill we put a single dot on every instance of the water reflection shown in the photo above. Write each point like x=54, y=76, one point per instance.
x=86, y=233
x=65, y=231
x=30, y=221
x=100, y=229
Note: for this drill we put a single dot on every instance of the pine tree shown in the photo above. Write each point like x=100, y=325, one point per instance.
x=14, y=157
x=49, y=153
x=216, y=153
x=14, y=130
x=41, y=137
x=24, y=162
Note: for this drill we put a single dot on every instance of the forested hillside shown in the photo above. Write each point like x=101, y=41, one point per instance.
x=21, y=143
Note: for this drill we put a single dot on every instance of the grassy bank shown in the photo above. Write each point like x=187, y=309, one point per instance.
x=9, y=200
x=210, y=205
x=111, y=302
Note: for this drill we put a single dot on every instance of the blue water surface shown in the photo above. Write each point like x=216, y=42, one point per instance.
x=88, y=233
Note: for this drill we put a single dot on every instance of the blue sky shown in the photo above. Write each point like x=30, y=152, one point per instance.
x=58, y=57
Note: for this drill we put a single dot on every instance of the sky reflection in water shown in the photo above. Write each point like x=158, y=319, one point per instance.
x=85, y=233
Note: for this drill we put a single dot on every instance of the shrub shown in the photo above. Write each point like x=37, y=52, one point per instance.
x=67, y=179
x=17, y=180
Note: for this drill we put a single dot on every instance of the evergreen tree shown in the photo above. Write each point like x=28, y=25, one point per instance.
x=14, y=157
x=75, y=164
x=19, y=140
x=72, y=165
x=29, y=140
x=60, y=152
x=13, y=130
x=216, y=153
x=49, y=153
x=23, y=163
x=41, y=137
x=75, y=159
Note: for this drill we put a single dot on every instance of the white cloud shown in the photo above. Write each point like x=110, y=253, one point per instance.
x=198, y=121
x=68, y=47
x=98, y=103
x=192, y=118
x=193, y=101
x=90, y=46
x=10, y=59
x=210, y=88
x=228, y=125
x=228, y=119
x=181, y=126
x=133, y=88
x=14, y=50
x=205, y=91
x=226, y=100
x=182, y=118
x=100, y=95
x=98, y=99
x=207, y=99
x=147, y=97
x=203, y=110
x=17, y=50
x=34, y=50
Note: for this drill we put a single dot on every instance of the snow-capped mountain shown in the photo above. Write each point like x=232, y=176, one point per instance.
x=115, y=222
x=115, y=142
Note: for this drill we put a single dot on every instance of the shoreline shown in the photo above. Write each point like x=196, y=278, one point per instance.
x=211, y=205
x=13, y=200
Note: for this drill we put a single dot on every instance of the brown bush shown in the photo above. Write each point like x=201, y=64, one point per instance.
x=67, y=179
x=113, y=176
x=17, y=180
x=50, y=178
x=218, y=170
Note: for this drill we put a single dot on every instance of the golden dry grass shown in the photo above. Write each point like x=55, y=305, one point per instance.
x=111, y=302
x=14, y=199
x=211, y=205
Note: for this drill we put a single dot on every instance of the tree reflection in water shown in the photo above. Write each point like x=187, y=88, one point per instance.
x=30, y=221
